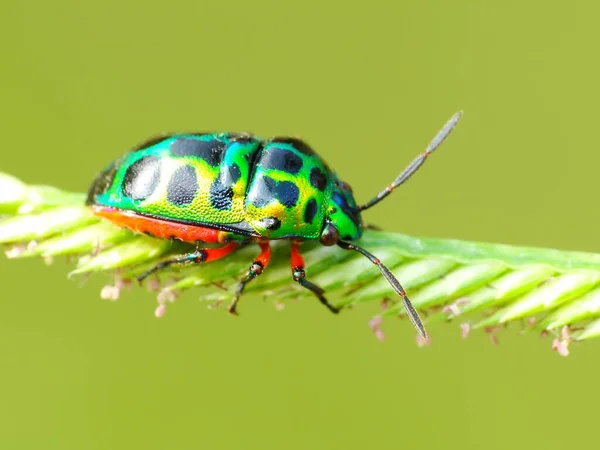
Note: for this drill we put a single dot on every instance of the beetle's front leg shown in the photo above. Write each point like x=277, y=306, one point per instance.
x=299, y=274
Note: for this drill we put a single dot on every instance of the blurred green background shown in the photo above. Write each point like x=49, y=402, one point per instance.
x=368, y=86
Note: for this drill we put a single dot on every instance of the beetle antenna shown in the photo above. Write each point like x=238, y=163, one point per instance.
x=410, y=310
x=416, y=163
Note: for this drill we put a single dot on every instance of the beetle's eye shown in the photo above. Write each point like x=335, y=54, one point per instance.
x=330, y=235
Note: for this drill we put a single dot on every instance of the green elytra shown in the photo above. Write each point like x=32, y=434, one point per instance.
x=275, y=189
x=251, y=189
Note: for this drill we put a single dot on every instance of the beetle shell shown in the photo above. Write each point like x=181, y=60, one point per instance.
x=277, y=188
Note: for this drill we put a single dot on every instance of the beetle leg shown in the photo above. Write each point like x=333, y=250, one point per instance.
x=299, y=274
x=256, y=268
x=198, y=256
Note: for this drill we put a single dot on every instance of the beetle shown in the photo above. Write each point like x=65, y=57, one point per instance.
x=235, y=188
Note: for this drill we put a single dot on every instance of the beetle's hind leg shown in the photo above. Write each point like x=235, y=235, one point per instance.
x=196, y=257
x=256, y=268
x=299, y=274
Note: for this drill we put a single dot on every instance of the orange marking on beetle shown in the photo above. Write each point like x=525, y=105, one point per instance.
x=296, y=258
x=265, y=254
x=162, y=229
x=214, y=254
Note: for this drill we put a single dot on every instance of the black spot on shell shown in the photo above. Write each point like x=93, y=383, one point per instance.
x=101, y=183
x=287, y=193
x=270, y=223
x=230, y=174
x=182, y=186
x=266, y=189
x=210, y=151
x=221, y=196
x=263, y=191
x=298, y=144
x=141, y=178
x=221, y=191
x=281, y=159
x=318, y=179
x=310, y=211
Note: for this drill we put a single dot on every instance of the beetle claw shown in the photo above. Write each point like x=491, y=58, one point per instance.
x=231, y=309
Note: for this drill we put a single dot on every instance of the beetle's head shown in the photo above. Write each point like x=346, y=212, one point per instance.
x=343, y=220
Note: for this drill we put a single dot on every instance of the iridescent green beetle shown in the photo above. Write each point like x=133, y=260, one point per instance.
x=232, y=189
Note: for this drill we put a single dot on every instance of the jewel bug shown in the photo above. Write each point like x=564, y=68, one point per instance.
x=233, y=189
